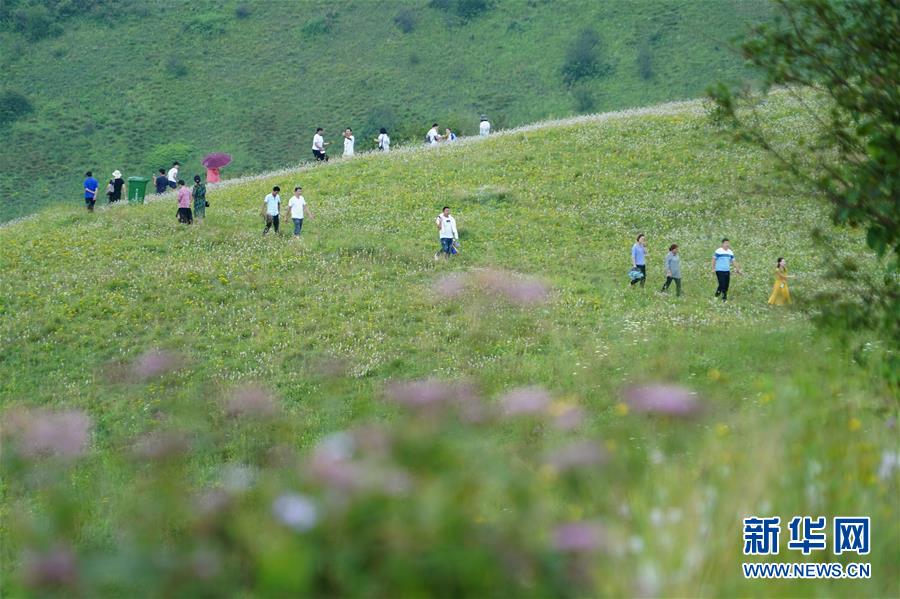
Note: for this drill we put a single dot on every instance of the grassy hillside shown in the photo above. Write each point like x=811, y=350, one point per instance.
x=135, y=85
x=789, y=426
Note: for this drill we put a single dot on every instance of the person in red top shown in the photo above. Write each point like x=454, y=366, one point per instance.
x=184, y=203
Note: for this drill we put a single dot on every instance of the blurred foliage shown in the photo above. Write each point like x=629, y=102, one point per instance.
x=849, y=54
x=13, y=105
x=585, y=59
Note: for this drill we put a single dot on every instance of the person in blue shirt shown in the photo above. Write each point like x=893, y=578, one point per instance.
x=723, y=259
x=639, y=258
x=91, y=185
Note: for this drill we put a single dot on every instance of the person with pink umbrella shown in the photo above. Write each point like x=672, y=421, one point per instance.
x=213, y=162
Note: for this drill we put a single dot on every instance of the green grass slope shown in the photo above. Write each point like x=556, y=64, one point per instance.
x=792, y=425
x=139, y=84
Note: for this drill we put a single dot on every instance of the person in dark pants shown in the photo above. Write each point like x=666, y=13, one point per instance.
x=446, y=226
x=118, y=184
x=271, y=209
x=91, y=186
x=723, y=259
x=184, y=203
x=319, y=145
x=673, y=270
x=639, y=258
x=161, y=182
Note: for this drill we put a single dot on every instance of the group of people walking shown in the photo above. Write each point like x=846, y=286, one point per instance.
x=723, y=263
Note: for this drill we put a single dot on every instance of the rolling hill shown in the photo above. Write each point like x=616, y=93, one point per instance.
x=134, y=85
x=537, y=299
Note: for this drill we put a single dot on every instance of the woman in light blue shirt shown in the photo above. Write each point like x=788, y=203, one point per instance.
x=639, y=259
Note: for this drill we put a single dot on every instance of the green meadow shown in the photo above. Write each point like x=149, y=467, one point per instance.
x=133, y=84
x=320, y=330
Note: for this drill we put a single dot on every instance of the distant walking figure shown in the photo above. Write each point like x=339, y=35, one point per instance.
x=446, y=226
x=781, y=295
x=199, y=193
x=161, y=182
x=349, y=141
x=271, y=209
x=484, y=126
x=639, y=259
x=172, y=176
x=722, y=260
x=91, y=186
x=298, y=208
x=118, y=184
x=383, y=141
x=319, y=145
x=673, y=270
x=184, y=203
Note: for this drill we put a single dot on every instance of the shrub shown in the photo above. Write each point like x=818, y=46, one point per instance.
x=464, y=9
x=163, y=155
x=13, y=106
x=645, y=62
x=583, y=58
x=242, y=11
x=35, y=22
x=584, y=99
x=405, y=20
x=205, y=26
x=176, y=67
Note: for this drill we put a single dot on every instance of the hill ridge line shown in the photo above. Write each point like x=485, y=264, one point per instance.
x=694, y=106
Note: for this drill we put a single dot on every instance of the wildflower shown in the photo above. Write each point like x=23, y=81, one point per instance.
x=519, y=290
x=566, y=416
x=54, y=568
x=575, y=455
x=525, y=400
x=44, y=433
x=154, y=363
x=890, y=463
x=854, y=424
x=579, y=537
x=295, y=511
x=450, y=286
x=668, y=400
x=427, y=393
x=251, y=401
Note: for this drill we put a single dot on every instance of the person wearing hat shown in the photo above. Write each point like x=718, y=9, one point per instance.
x=484, y=127
x=118, y=184
x=199, y=193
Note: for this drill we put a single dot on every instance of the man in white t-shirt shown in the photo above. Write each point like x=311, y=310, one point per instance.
x=349, y=141
x=297, y=204
x=446, y=226
x=172, y=176
x=484, y=127
x=433, y=137
x=319, y=145
x=271, y=209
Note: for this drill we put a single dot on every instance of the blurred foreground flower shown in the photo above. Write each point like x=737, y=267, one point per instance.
x=575, y=455
x=295, y=511
x=160, y=445
x=566, y=416
x=251, y=401
x=525, y=400
x=504, y=285
x=668, y=400
x=580, y=537
x=428, y=394
x=54, y=568
x=45, y=433
x=154, y=363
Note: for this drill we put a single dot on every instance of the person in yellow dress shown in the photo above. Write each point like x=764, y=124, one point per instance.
x=781, y=295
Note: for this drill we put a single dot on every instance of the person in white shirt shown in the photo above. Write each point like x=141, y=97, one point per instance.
x=446, y=226
x=319, y=145
x=271, y=209
x=172, y=176
x=484, y=127
x=383, y=141
x=433, y=136
x=297, y=204
x=349, y=141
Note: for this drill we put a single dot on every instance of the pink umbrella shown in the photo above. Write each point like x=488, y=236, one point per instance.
x=213, y=162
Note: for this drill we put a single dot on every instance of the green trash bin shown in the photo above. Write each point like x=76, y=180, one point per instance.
x=137, y=189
